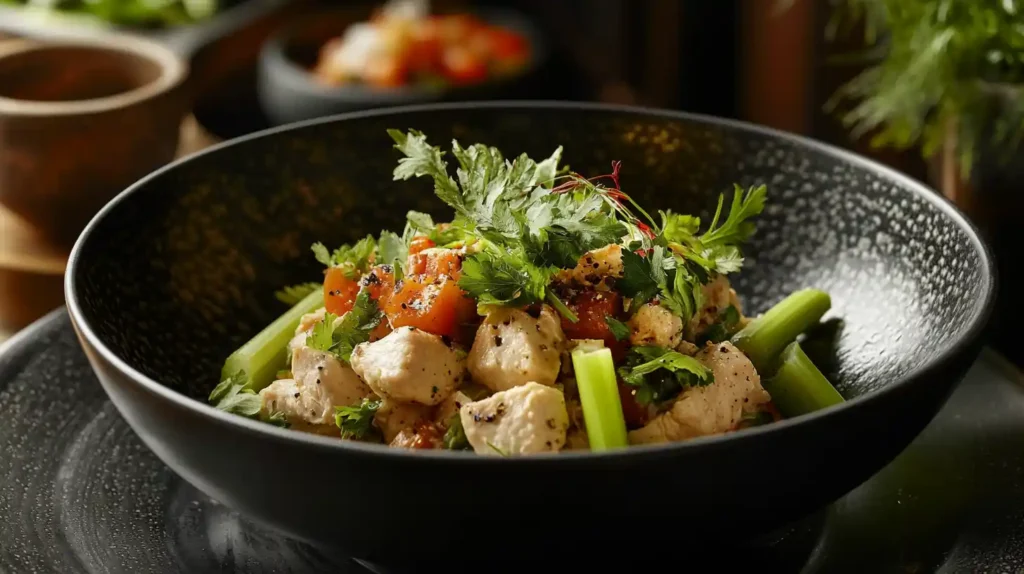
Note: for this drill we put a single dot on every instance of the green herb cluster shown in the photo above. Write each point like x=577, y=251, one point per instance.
x=942, y=67
x=660, y=374
x=341, y=337
x=357, y=422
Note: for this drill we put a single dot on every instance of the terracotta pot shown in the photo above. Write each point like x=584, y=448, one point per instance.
x=80, y=120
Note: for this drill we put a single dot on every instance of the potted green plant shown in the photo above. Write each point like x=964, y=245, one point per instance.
x=947, y=76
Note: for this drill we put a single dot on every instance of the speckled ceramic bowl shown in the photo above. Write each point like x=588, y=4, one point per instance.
x=181, y=268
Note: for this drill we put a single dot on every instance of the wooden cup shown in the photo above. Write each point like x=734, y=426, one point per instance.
x=80, y=120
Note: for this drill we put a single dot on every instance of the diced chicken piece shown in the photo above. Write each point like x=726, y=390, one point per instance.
x=712, y=409
x=450, y=408
x=393, y=417
x=410, y=365
x=687, y=348
x=305, y=327
x=512, y=348
x=718, y=296
x=576, y=438
x=526, y=419
x=320, y=383
x=655, y=325
x=595, y=268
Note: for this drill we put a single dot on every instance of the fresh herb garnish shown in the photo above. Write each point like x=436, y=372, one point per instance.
x=527, y=230
x=443, y=235
x=292, y=294
x=392, y=250
x=353, y=329
x=354, y=260
x=619, y=329
x=455, y=436
x=233, y=395
x=660, y=374
x=724, y=326
x=357, y=422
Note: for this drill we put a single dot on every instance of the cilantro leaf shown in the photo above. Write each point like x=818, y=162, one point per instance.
x=234, y=396
x=619, y=329
x=354, y=260
x=292, y=294
x=423, y=159
x=736, y=228
x=723, y=328
x=505, y=279
x=661, y=374
x=356, y=325
x=340, y=337
x=455, y=436
x=357, y=422
x=643, y=276
x=392, y=250
x=321, y=336
x=678, y=228
x=277, y=419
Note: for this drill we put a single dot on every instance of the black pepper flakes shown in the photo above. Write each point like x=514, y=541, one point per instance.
x=296, y=395
x=723, y=349
x=497, y=340
x=318, y=381
x=550, y=423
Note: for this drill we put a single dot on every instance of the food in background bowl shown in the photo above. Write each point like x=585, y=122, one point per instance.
x=459, y=335
x=404, y=45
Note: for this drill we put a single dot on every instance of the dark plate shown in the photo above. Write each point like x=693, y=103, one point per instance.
x=180, y=269
x=80, y=493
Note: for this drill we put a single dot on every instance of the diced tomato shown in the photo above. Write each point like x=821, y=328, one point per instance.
x=423, y=54
x=591, y=307
x=461, y=66
x=507, y=45
x=419, y=243
x=339, y=292
x=433, y=304
x=380, y=282
x=385, y=71
x=634, y=413
x=454, y=28
x=446, y=262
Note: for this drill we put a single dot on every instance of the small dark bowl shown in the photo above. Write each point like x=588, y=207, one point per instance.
x=181, y=269
x=288, y=91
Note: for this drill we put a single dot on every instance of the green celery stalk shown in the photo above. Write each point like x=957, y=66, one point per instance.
x=798, y=387
x=599, y=395
x=265, y=354
x=766, y=336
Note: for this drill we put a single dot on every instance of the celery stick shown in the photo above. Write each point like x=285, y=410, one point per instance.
x=265, y=353
x=766, y=336
x=799, y=387
x=599, y=395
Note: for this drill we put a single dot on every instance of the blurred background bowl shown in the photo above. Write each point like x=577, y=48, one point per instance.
x=288, y=90
x=80, y=120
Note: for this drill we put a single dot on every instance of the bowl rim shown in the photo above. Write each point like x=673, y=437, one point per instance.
x=273, y=60
x=173, y=71
x=969, y=339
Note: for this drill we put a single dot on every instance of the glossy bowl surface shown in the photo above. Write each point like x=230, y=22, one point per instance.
x=181, y=268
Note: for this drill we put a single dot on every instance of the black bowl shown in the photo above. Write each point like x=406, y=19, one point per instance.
x=181, y=268
x=288, y=92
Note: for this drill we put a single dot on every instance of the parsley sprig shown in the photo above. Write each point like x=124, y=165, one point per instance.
x=233, y=395
x=353, y=329
x=356, y=422
x=527, y=230
x=660, y=374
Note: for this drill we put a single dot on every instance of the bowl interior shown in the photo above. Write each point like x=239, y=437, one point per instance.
x=180, y=271
x=69, y=73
